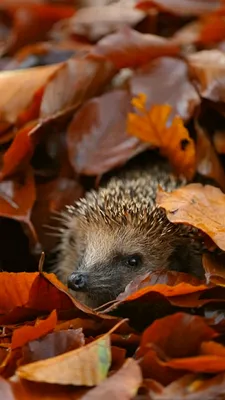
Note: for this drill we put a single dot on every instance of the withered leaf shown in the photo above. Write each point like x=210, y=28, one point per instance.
x=121, y=48
x=92, y=364
x=191, y=387
x=19, y=88
x=19, y=286
x=214, y=268
x=183, y=7
x=123, y=384
x=199, y=206
x=207, y=71
x=97, y=138
x=208, y=163
x=25, y=334
x=177, y=90
x=163, y=277
x=174, y=141
x=98, y=21
x=32, y=24
x=53, y=344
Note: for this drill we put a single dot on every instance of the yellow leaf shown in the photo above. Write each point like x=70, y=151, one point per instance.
x=174, y=141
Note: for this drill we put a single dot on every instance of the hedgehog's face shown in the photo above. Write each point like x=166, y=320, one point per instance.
x=98, y=261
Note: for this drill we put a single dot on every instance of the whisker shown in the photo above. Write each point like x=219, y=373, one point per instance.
x=54, y=228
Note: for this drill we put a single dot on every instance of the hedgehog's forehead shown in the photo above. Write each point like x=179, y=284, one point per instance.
x=118, y=203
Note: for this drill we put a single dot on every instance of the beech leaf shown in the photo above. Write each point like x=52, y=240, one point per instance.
x=122, y=47
x=123, y=384
x=199, y=206
x=86, y=366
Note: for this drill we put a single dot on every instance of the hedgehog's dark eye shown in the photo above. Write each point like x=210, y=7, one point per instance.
x=134, y=261
x=71, y=239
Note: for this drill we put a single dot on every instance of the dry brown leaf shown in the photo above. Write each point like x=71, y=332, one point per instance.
x=121, y=48
x=25, y=334
x=97, y=139
x=97, y=21
x=19, y=88
x=207, y=70
x=208, y=163
x=123, y=384
x=92, y=364
x=181, y=7
x=177, y=90
x=199, y=206
x=174, y=141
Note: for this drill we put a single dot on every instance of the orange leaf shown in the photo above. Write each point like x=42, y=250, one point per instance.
x=199, y=206
x=25, y=334
x=92, y=364
x=174, y=141
x=15, y=289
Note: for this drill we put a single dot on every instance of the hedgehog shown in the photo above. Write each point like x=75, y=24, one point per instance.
x=117, y=233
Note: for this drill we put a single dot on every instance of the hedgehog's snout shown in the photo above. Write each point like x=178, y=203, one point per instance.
x=78, y=281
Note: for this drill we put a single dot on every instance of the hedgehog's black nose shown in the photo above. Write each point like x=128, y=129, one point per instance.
x=77, y=281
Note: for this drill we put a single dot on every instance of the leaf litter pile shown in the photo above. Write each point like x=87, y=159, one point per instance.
x=87, y=86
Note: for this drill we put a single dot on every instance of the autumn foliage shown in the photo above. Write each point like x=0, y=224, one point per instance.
x=84, y=89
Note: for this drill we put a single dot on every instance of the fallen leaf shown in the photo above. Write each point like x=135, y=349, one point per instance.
x=207, y=72
x=123, y=384
x=219, y=141
x=52, y=345
x=191, y=387
x=178, y=335
x=25, y=334
x=97, y=139
x=163, y=277
x=96, y=22
x=30, y=22
x=208, y=163
x=214, y=268
x=92, y=364
x=121, y=48
x=173, y=141
x=213, y=28
x=199, y=206
x=16, y=389
x=19, y=286
x=177, y=90
x=23, y=86
x=181, y=8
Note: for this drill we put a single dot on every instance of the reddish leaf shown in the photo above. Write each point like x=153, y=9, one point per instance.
x=160, y=277
x=19, y=286
x=191, y=387
x=97, y=139
x=208, y=163
x=52, y=345
x=182, y=8
x=31, y=22
x=199, y=206
x=25, y=334
x=214, y=268
x=123, y=384
x=207, y=71
x=121, y=48
x=92, y=363
x=16, y=389
x=178, y=335
x=177, y=90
